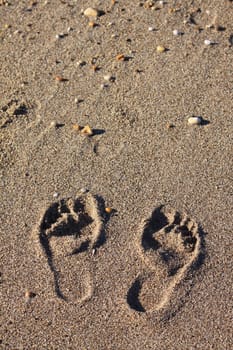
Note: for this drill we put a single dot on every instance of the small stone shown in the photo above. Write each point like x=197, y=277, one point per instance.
x=60, y=36
x=103, y=86
x=29, y=295
x=83, y=190
x=151, y=29
x=77, y=127
x=176, y=32
x=170, y=126
x=108, y=77
x=91, y=12
x=120, y=57
x=208, y=42
x=81, y=63
x=53, y=124
x=59, y=78
x=92, y=24
x=94, y=67
x=55, y=195
x=93, y=251
x=161, y=49
x=87, y=131
x=194, y=120
x=108, y=210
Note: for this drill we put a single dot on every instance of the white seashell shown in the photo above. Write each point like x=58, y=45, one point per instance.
x=194, y=120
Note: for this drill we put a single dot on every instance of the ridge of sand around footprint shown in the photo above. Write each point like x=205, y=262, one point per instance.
x=170, y=246
x=68, y=233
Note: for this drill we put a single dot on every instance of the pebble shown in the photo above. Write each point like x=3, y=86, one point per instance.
x=60, y=36
x=91, y=12
x=83, y=190
x=161, y=48
x=53, y=124
x=29, y=295
x=55, y=195
x=59, y=78
x=176, y=32
x=103, y=86
x=92, y=24
x=194, y=120
x=108, y=210
x=208, y=42
x=77, y=127
x=87, y=131
x=108, y=77
x=151, y=29
x=120, y=57
x=81, y=63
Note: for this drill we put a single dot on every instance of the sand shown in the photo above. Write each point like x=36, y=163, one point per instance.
x=156, y=271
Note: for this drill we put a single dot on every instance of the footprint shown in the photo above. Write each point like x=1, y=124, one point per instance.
x=69, y=232
x=170, y=247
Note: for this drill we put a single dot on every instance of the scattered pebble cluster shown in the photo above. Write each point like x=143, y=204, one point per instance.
x=92, y=14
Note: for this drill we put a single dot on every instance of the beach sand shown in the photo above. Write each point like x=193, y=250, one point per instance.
x=154, y=271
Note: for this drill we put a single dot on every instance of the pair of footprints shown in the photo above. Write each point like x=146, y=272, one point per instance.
x=71, y=230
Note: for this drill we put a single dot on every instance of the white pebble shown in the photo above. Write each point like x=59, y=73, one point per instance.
x=208, y=42
x=176, y=32
x=194, y=120
x=60, y=36
x=151, y=29
x=53, y=124
x=91, y=12
x=80, y=63
x=103, y=86
x=55, y=195
x=108, y=77
x=83, y=190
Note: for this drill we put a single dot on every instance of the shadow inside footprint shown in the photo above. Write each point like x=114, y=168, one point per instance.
x=155, y=223
x=69, y=228
x=171, y=246
x=132, y=296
